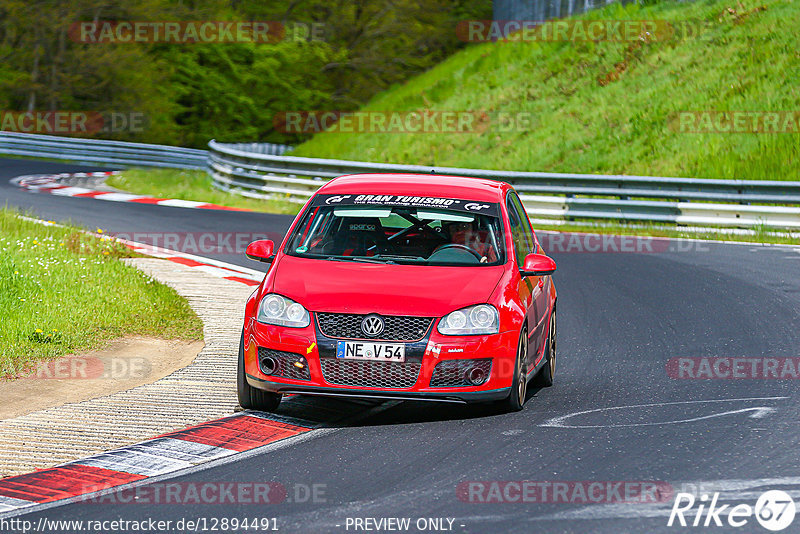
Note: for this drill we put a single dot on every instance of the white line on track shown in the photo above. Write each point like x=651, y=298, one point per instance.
x=760, y=411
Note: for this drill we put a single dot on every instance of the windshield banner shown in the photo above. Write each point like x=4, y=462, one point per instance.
x=408, y=201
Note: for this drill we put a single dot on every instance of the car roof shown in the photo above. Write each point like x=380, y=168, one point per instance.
x=434, y=185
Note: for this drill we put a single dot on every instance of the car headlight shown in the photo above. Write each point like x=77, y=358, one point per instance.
x=470, y=321
x=278, y=310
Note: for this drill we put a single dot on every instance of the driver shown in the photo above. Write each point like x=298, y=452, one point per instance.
x=467, y=234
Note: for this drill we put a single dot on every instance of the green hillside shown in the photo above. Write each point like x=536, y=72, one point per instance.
x=609, y=107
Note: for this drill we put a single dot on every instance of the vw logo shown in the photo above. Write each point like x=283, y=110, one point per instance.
x=372, y=325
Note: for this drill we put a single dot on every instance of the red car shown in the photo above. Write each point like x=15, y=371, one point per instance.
x=395, y=286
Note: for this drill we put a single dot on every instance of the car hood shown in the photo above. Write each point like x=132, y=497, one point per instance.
x=333, y=286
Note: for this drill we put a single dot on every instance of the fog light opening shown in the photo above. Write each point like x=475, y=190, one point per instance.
x=269, y=365
x=476, y=376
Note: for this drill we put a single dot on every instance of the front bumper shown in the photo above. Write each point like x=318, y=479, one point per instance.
x=459, y=397
x=314, y=348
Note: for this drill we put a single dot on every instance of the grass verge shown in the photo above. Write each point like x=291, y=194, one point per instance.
x=607, y=106
x=63, y=291
x=194, y=185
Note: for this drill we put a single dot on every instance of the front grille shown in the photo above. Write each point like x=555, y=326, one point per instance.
x=453, y=373
x=370, y=374
x=397, y=327
x=285, y=364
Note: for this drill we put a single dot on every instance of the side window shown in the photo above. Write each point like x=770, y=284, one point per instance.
x=516, y=231
x=526, y=225
x=521, y=232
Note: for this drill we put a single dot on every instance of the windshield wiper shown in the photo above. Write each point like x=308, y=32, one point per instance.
x=391, y=257
x=364, y=259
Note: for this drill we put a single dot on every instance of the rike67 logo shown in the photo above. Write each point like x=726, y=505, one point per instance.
x=774, y=510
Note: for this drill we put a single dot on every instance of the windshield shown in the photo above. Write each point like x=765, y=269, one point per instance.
x=399, y=234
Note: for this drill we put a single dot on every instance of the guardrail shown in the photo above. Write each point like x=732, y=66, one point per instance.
x=542, y=10
x=260, y=170
x=101, y=151
x=270, y=149
x=116, y=152
x=550, y=197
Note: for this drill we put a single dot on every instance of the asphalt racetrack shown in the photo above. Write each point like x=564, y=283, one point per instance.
x=614, y=414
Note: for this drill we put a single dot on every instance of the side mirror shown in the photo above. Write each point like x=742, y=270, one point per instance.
x=260, y=251
x=537, y=265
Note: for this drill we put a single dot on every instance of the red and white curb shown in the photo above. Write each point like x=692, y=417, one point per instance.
x=220, y=269
x=166, y=454
x=52, y=184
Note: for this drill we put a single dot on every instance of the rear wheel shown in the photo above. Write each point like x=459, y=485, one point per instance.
x=251, y=398
x=519, y=386
x=544, y=378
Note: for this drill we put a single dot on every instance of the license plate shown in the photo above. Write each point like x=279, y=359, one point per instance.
x=358, y=350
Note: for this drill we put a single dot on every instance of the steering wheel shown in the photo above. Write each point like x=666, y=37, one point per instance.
x=460, y=247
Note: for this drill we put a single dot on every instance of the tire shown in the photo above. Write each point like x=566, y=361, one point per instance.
x=519, y=386
x=544, y=378
x=251, y=398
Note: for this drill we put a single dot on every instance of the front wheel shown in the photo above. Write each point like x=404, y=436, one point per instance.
x=519, y=386
x=251, y=398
